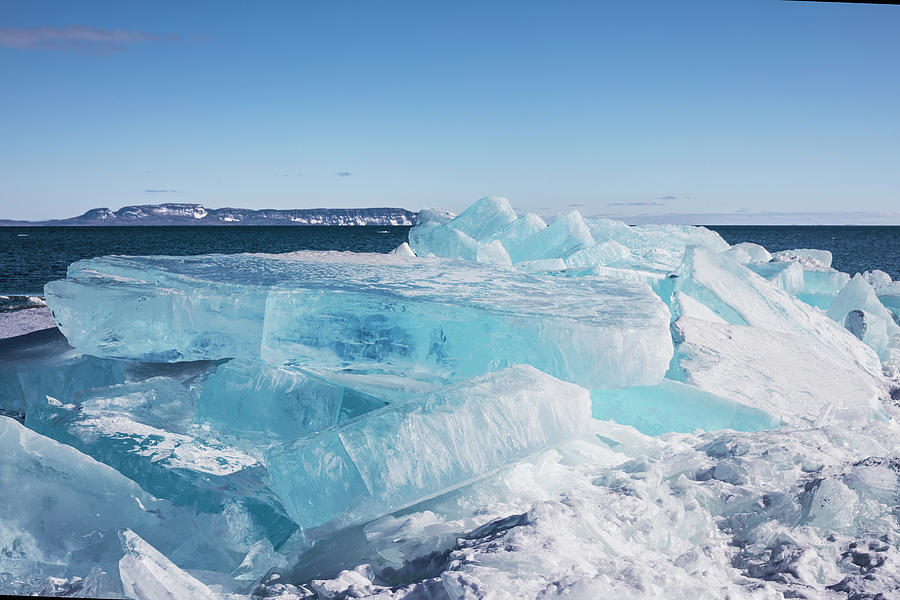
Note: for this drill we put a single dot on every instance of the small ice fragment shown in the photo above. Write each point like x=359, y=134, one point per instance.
x=148, y=575
x=403, y=250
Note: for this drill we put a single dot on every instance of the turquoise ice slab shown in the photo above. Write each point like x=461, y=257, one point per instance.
x=674, y=406
x=348, y=310
x=404, y=453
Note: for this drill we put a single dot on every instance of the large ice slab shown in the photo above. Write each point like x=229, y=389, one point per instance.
x=782, y=374
x=741, y=297
x=404, y=453
x=675, y=406
x=334, y=309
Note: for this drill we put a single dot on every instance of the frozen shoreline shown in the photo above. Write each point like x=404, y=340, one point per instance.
x=28, y=320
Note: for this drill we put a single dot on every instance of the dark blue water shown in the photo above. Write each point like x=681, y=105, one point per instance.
x=855, y=248
x=32, y=256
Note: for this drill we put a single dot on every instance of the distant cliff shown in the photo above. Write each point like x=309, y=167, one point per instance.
x=195, y=214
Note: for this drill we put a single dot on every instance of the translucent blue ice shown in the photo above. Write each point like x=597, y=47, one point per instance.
x=246, y=397
x=341, y=310
x=674, y=406
x=404, y=453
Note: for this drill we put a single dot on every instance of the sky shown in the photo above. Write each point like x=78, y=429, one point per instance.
x=655, y=109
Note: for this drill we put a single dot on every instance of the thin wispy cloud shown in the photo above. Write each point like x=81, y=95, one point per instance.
x=668, y=198
x=163, y=191
x=635, y=204
x=77, y=38
x=343, y=174
x=576, y=205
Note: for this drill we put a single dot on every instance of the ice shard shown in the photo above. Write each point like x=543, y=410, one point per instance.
x=144, y=431
x=785, y=275
x=148, y=575
x=404, y=453
x=807, y=257
x=566, y=235
x=748, y=252
x=821, y=286
x=514, y=237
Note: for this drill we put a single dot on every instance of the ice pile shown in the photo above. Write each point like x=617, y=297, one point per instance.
x=501, y=408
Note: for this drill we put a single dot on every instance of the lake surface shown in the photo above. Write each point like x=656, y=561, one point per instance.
x=32, y=256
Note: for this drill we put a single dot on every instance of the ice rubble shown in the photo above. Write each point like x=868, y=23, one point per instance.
x=411, y=425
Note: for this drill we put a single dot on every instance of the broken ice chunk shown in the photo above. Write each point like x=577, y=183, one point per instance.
x=674, y=406
x=785, y=275
x=61, y=510
x=656, y=246
x=515, y=236
x=748, y=252
x=858, y=295
x=404, y=453
x=287, y=403
x=566, y=235
x=48, y=366
x=148, y=575
x=807, y=257
x=741, y=297
x=448, y=242
x=403, y=250
x=779, y=373
x=608, y=253
x=821, y=286
x=484, y=217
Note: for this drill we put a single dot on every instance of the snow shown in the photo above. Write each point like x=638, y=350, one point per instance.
x=20, y=322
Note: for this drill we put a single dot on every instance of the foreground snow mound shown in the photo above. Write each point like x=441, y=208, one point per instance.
x=403, y=454
x=801, y=512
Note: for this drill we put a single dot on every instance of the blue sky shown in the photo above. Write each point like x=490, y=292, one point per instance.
x=626, y=108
